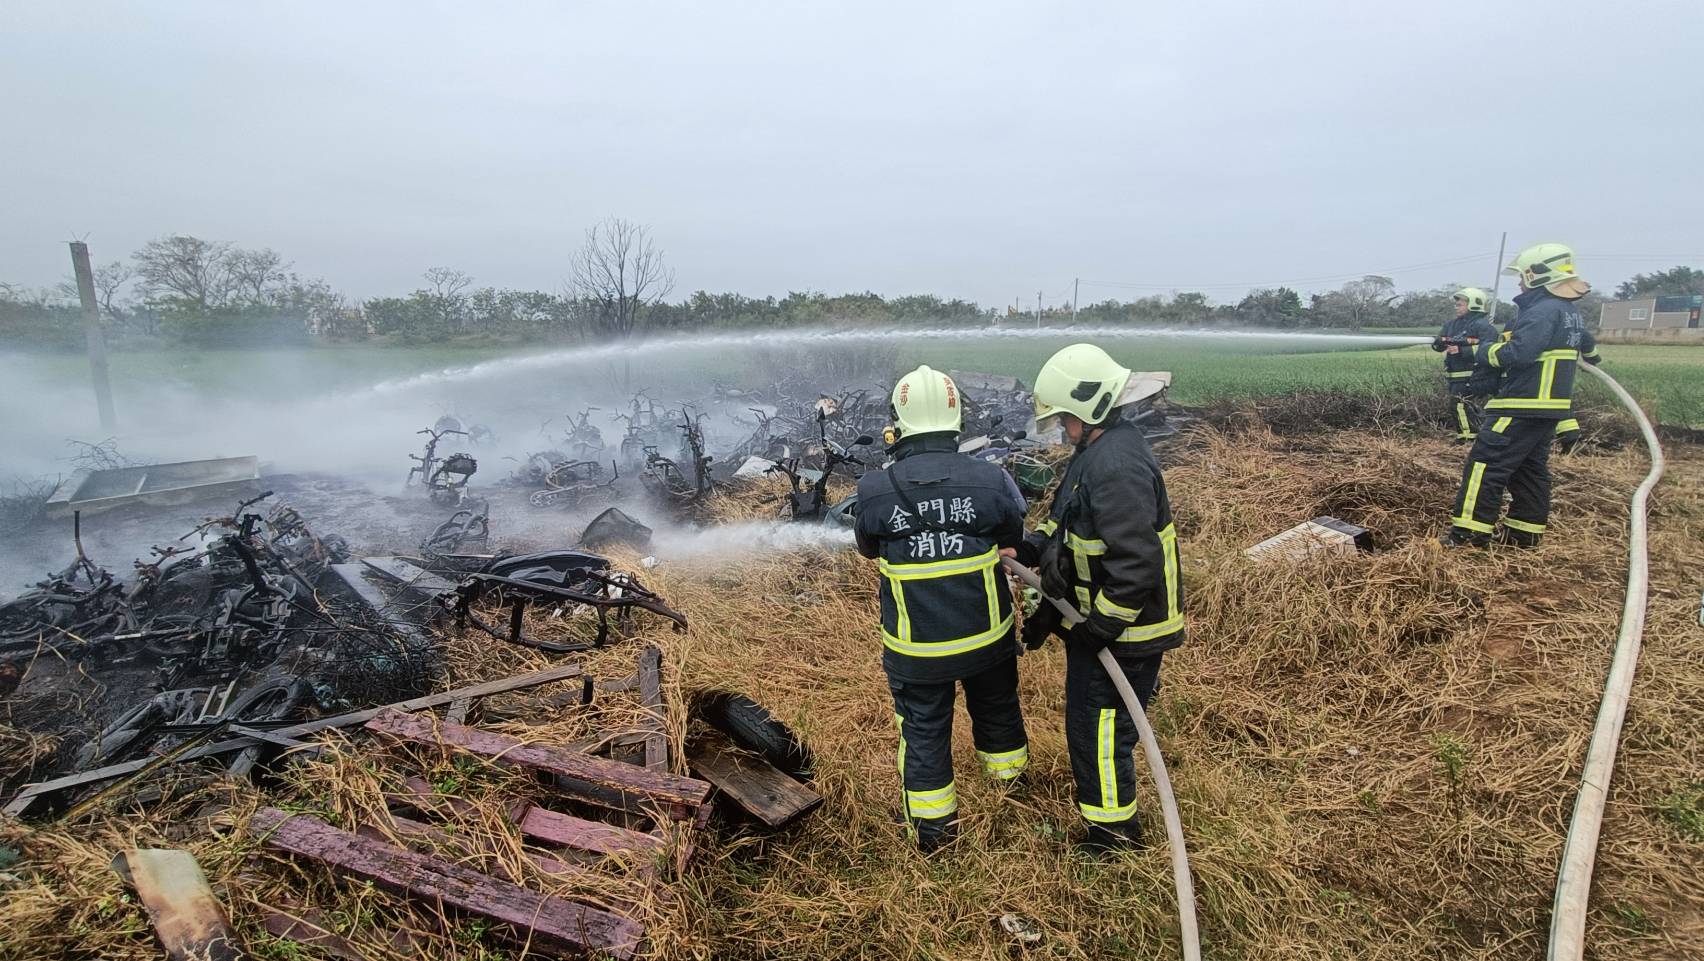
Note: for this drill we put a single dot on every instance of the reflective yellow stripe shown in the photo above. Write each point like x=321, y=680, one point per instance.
x=1561, y=353
x=1082, y=548
x=1502, y=424
x=1461, y=417
x=1147, y=632
x=1491, y=353
x=1168, y=544
x=961, y=565
x=932, y=804
x=1088, y=545
x=1546, y=376
x=992, y=592
x=944, y=648
x=901, y=613
x=1566, y=425
x=1526, y=403
x=1107, y=815
x=1521, y=525
x=1458, y=374
x=1083, y=605
x=1105, y=753
x=1112, y=609
x=1471, y=501
x=1005, y=765
x=1047, y=527
x=899, y=725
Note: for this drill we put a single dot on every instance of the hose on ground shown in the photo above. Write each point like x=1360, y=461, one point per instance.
x=1574, y=877
x=1181, y=879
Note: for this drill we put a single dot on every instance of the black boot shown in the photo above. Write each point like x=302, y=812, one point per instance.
x=1520, y=539
x=1460, y=538
x=1101, y=838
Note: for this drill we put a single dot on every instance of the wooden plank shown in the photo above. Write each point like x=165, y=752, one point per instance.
x=408, y=829
x=636, y=789
x=187, y=918
x=651, y=698
x=310, y=932
x=273, y=738
x=596, y=837
x=408, y=576
x=540, y=919
x=33, y=792
x=756, y=786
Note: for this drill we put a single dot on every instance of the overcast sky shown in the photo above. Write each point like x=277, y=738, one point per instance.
x=980, y=150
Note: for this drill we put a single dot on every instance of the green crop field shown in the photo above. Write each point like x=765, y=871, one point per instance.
x=1668, y=380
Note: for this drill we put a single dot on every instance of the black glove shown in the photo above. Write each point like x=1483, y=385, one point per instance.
x=1595, y=360
x=1093, y=634
x=1438, y=343
x=1028, y=554
x=1038, y=627
x=1051, y=569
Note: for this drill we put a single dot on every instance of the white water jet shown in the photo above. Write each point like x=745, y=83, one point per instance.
x=631, y=350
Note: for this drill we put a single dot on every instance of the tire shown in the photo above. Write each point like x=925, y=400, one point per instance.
x=270, y=700
x=754, y=728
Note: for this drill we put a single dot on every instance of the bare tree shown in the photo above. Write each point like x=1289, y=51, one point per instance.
x=256, y=276
x=621, y=274
x=109, y=280
x=1360, y=300
x=446, y=296
x=447, y=282
x=187, y=267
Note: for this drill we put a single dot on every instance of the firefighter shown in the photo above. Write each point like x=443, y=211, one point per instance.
x=1536, y=358
x=1485, y=381
x=935, y=520
x=1108, y=546
x=1468, y=383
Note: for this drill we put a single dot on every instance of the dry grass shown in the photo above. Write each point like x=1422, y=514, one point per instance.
x=1375, y=756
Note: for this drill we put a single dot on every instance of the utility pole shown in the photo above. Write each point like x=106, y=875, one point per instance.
x=1074, y=282
x=1497, y=278
x=92, y=332
x=1038, y=310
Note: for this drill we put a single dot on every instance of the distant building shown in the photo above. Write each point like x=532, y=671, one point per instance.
x=1657, y=313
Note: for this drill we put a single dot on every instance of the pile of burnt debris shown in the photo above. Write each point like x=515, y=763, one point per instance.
x=228, y=660
x=792, y=430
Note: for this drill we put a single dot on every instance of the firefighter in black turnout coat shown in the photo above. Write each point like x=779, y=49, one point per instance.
x=935, y=520
x=1469, y=384
x=1537, y=358
x=1108, y=546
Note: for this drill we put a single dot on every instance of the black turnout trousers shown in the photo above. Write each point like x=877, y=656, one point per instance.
x=1101, y=736
x=924, y=713
x=1513, y=454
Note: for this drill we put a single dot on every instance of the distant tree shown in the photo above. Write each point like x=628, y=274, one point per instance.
x=188, y=268
x=1358, y=302
x=447, y=282
x=621, y=274
x=256, y=276
x=1674, y=281
x=1271, y=307
x=446, y=297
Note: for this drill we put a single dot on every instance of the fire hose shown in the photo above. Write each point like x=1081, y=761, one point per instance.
x=1156, y=766
x=1574, y=877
